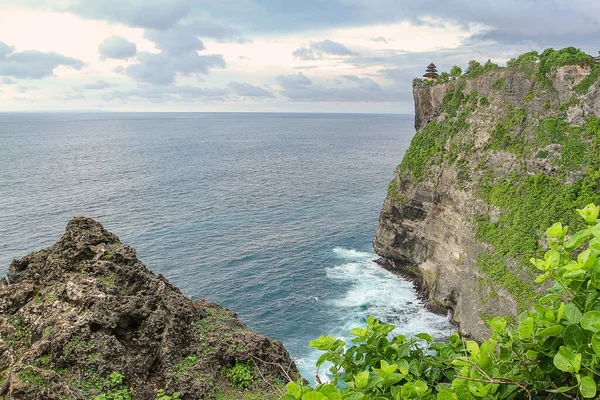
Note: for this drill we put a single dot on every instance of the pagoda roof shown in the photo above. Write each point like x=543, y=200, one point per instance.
x=432, y=65
x=431, y=75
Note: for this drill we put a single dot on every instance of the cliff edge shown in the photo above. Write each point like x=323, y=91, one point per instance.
x=497, y=158
x=85, y=319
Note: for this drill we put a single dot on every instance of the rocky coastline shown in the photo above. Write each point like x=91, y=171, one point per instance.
x=85, y=319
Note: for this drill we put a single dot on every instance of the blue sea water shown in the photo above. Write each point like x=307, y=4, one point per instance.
x=271, y=215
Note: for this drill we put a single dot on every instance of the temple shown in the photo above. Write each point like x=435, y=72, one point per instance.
x=431, y=73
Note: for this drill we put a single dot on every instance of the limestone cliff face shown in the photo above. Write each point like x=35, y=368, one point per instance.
x=445, y=215
x=85, y=319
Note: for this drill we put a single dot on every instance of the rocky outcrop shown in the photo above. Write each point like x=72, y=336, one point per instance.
x=444, y=217
x=85, y=319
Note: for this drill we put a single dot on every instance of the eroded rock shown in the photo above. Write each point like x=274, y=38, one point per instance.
x=86, y=317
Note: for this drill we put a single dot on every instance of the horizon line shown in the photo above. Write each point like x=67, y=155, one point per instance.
x=197, y=112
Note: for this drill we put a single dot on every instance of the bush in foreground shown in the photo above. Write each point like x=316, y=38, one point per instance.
x=552, y=352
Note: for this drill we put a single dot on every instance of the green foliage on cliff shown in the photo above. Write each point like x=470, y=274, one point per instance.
x=476, y=69
x=584, y=86
x=553, y=167
x=393, y=191
x=553, y=351
x=508, y=134
x=550, y=58
x=529, y=202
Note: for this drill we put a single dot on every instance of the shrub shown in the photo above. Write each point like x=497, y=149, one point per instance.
x=552, y=352
x=455, y=71
x=240, y=375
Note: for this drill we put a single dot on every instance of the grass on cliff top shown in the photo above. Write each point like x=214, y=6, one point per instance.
x=549, y=58
x=534, y=65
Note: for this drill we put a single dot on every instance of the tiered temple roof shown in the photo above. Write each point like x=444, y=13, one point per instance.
x=431, y=71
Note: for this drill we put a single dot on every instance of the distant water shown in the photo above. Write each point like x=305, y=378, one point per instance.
x=271, y=215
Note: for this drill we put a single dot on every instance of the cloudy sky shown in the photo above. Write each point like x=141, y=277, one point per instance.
x=262, y=55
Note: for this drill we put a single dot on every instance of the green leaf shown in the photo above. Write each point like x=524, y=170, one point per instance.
x=396, y=392
x=314, y=396
x=567, y=361
x=403, y=366
x=498, y=324
x=574, y=273
x=543, y=278
x=293, y=389
x=354, y=396
x=555, y=231
x=554, y=330
x=472, y=347
x=392, y=380
x=425, y=336
x=591, y=321
x=324, y=357
x=361, y=380
x=358, y=331
x=587, y=387
x=577, y=239
x=573, y=337
x=420, y=387
x=446, y=394
x=589, y=213
x=478, y=388
x=596, y=343
x=572, y=313
x=560, y=311
x=526, y=328
x=326, y=389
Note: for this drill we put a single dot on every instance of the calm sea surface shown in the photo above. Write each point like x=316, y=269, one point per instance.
x=271, y=215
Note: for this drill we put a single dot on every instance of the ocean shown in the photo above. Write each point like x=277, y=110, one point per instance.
x=270, y=215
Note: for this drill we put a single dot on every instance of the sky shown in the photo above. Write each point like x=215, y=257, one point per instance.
x=262, y=55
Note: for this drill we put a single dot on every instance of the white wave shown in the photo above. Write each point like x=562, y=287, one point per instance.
x=350, y=254
x=375, y=291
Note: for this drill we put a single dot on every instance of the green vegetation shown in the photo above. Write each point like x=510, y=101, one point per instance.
x=393, y=192
x=508, y=135
x=542, y=154
x=476, y=69
x=530, y=202
x=569, y=154
x=584, y=86
x=499, y=84
x=35, y=379
x=553, y=351
x=76, y=347
x=455, y=72
x=524, y=59
x=453, y=100
x=550, y=58
x=115, y=389
x=185, y=367
x=240, y=375
x=573, y=101
x=107, y=280
x=162, y=395
x=429, y=145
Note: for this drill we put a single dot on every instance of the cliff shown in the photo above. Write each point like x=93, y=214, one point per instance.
x=85, y=319
x=496, y=159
